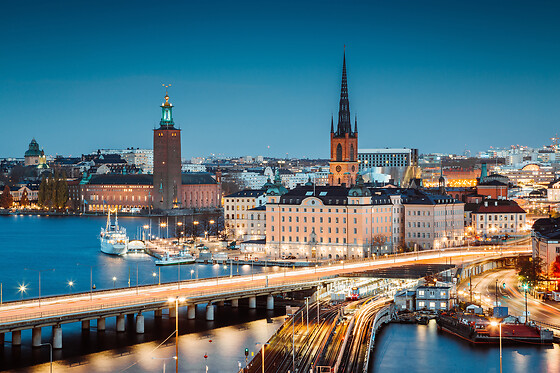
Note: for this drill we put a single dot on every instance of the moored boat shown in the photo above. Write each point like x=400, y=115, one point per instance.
x=113, y=238
x=184, y=257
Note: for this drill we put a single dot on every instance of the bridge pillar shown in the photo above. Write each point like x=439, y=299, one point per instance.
x=101, y=324
x=235, y=303
x=221, y=303
x=270, y=302
x=36, y=337
x=140, y=323
x=120, y=323
x=158, y=313
x=210, y=312
x=85, y=325
x=191, y=311
x=252, y=302
x=171, y=312
x=1, y=340
x=56, y=337
x=16, y=338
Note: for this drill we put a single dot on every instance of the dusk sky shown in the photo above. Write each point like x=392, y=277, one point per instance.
x=435, y=75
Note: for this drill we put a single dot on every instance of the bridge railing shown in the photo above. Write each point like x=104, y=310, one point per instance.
x=190, y=296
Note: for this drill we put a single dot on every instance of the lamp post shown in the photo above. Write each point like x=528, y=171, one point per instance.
x=50, y=351
x=39, y=271
x=179, y=224
x=262, y=353
x=162, y=225
x=22, y=288
x=176, y=300
x=164, y=358
x=195, y=231
x=70, y=286
x=192, y=271
x=154, y=275
x=114, y=281
x=525, y=287
x=210, y=230
x=495, y=323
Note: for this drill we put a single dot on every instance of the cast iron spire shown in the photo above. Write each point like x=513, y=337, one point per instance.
x=344, y=125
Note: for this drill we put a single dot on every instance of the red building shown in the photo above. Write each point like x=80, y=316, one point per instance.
x=167, y=160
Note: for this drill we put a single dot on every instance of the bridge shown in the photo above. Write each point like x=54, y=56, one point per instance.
x=96, y=306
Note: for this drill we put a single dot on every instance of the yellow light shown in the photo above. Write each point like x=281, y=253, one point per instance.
x=494, y=323
x=182, y=299
x=171, y=300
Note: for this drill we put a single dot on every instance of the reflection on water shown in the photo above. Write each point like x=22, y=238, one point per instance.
x=223, y=346
x=424, y=349
x=67, y=249
x=233, y=330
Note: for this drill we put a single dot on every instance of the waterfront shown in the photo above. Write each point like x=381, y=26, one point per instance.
x=424, y=349
x=66, y=249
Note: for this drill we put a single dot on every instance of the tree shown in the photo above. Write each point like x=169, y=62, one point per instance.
x=555, y=271
x=50, y=192
x=530, y=270
x=24, y=201
x=6, y=199
x=42, y=196
x=61, y=195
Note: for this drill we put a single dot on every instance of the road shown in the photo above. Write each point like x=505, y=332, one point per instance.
x=510, y=296
x=77, y=303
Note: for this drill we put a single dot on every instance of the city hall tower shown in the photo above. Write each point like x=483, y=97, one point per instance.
x=167, y=160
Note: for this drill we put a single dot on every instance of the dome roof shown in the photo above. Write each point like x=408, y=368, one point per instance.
x=33, y=150
x=359, y=190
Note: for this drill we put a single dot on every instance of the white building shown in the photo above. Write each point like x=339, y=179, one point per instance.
x=238, y=210
x=498, y=217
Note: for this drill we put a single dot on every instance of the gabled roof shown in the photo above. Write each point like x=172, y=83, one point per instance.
x=494, y=183
x=251, y=193
x=191, y=178
x=120, y=179
x=493, y=206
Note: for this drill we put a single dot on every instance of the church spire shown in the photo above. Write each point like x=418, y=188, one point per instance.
x=332, y=124
x=355, y=123
x=344, y=125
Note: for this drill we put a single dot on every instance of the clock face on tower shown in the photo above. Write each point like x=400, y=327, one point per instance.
x=338, y=168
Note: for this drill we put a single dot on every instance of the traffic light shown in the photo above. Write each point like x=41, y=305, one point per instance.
x=246, y=352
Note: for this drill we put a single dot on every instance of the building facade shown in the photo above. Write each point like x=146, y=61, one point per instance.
x=546, y=241
x=498, y=217
x=239, y=207
x=387, y=158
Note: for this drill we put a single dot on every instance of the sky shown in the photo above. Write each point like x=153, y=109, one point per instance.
x=263, y=77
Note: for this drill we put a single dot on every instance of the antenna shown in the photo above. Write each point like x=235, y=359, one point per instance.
x=166, y=86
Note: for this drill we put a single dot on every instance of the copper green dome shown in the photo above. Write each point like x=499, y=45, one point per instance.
x=33, y=150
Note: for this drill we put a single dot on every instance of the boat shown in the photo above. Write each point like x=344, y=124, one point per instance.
x=113, y=238
x=136, y=246
x=220, y=258
x=184, y=257
x=478, y=329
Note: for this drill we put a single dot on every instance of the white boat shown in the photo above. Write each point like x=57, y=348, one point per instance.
x=184, y=257
x=114, y=240
x=220, y=258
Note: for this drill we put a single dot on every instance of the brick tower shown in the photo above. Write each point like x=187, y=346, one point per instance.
x=343, y=165
x=167, y=160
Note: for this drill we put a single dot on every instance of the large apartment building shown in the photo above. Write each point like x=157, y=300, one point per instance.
x=240, y=208
x=335, y=222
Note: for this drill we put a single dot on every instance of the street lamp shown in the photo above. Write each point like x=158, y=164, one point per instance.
x=22, y=288
x=114, y=281
x=176, y=300
x=70, y=286
x=164, y=358
x=50, y=350
x=154, y=275
x=39, y=271
x=192, y=271
x=495, y=323
x=262, y=352
x=211, y=223
x=525, y=287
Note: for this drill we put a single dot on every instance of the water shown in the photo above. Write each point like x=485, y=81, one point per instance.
x=64, y=248
x=424, y=349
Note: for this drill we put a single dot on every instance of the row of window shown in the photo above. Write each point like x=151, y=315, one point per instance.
x=496, y=217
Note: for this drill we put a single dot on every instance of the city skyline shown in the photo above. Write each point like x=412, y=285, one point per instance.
x=444, y=76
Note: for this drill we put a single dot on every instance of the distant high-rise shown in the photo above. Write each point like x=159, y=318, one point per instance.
x=344, y=142
x=167, y=160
